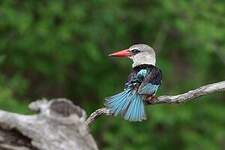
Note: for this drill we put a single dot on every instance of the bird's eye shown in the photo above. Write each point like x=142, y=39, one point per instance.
x=135, y=51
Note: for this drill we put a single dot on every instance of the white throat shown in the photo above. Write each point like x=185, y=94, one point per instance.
x=144, y=58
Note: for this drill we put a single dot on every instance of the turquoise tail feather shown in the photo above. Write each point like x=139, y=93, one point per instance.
x=128, y=104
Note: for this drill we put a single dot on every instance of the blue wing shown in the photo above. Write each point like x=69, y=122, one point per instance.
x=151, y=81
x=148, y=89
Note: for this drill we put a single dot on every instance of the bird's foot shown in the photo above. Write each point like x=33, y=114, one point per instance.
x=150, y=99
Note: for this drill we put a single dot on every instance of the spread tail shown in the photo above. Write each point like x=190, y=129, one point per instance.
x=128, y=104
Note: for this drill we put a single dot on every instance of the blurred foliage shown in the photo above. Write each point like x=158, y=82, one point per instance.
x=59, y=49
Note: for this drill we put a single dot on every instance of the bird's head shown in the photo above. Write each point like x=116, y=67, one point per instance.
x=140, y=54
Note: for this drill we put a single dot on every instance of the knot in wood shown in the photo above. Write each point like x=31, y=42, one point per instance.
x=65, y=108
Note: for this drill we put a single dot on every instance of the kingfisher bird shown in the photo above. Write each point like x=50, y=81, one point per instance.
x=141, y=86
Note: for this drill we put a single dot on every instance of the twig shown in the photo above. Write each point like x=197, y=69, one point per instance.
x=181, y=98
x=97, y=113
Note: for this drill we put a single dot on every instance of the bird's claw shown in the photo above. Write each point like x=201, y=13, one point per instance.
x=150, y=99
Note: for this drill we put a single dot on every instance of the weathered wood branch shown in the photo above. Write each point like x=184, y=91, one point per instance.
x=59, y=125
x=181, y=98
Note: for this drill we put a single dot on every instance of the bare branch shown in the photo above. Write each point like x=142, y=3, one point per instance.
x=181, y=98
x=97, y=113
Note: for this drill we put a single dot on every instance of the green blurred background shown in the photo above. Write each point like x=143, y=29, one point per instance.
x=59, y=49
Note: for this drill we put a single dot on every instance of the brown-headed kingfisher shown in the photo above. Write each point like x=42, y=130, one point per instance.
x=141, y=86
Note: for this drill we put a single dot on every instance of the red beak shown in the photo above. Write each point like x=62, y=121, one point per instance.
x=123, y=53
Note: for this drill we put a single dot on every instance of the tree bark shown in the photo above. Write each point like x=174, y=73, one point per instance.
x=59, y=125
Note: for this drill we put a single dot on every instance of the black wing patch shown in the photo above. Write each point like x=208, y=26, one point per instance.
x=151, y=82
